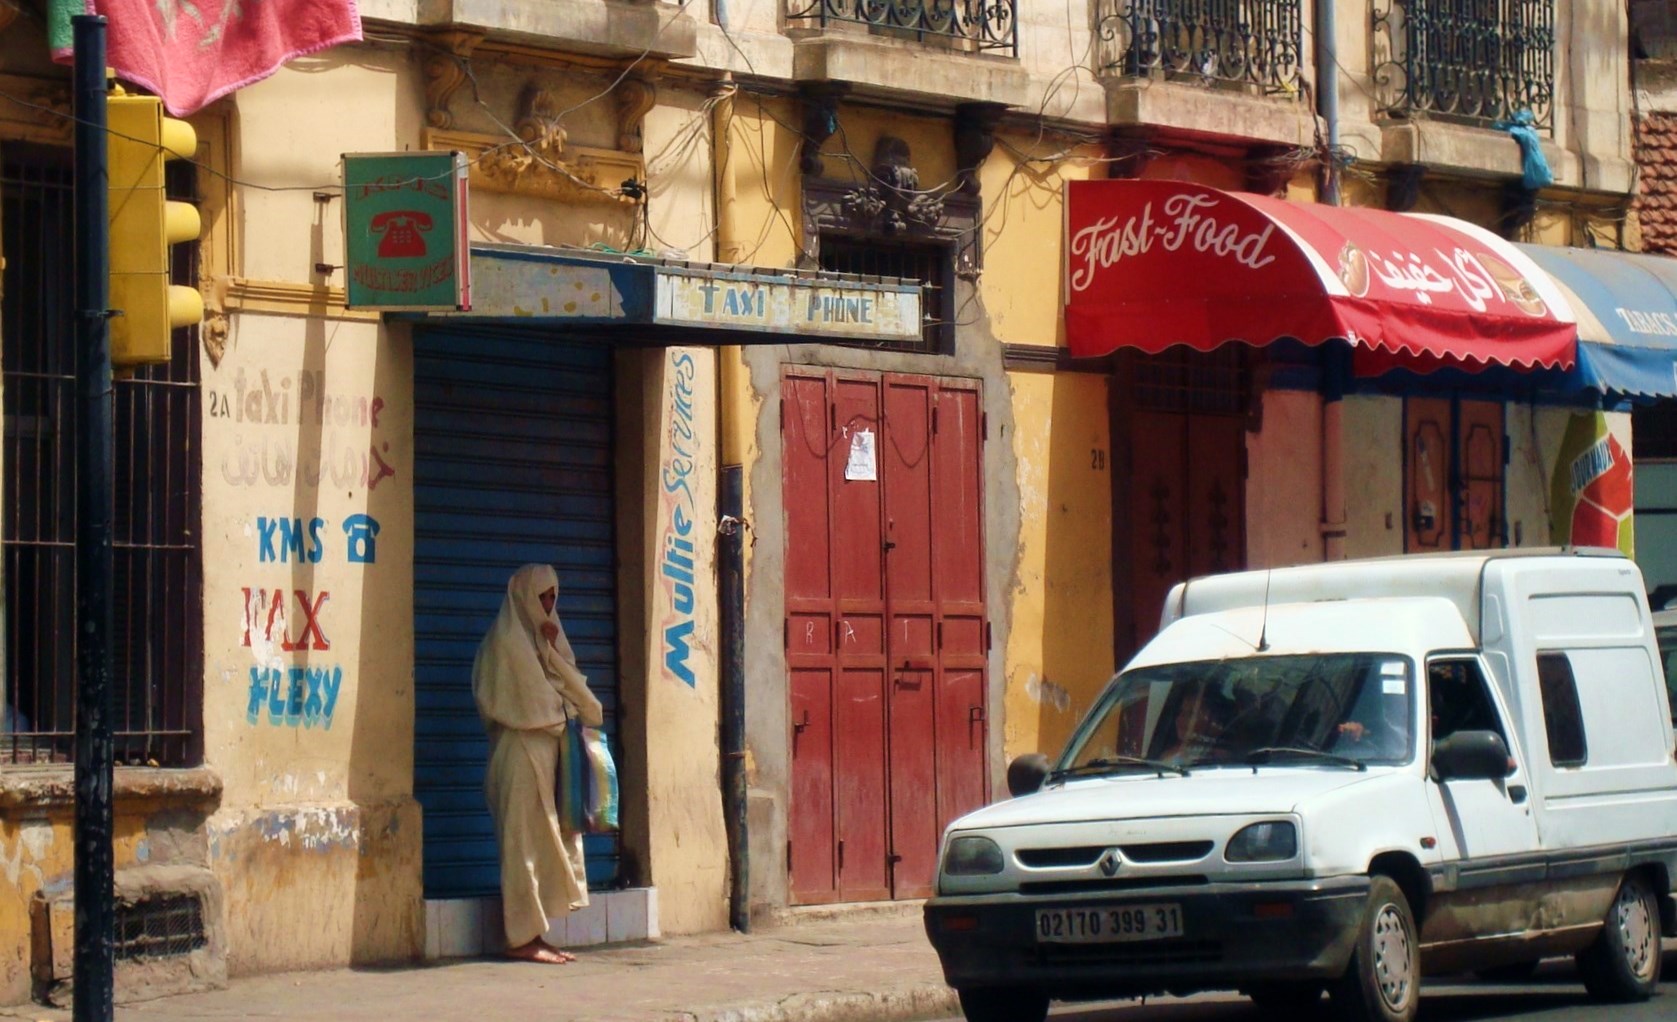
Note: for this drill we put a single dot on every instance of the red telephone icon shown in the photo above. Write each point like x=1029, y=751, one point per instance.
x=401, y=229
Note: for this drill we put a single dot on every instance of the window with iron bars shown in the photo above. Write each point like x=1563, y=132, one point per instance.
x=1185, y=381
x=1474, y=61
x=158, y=636
x=976, y=26
x=931, y=263
x=1249, y=44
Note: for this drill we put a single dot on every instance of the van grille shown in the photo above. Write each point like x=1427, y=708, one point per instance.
x=1041, y=858
x=1088, y=855
x=1104, y=886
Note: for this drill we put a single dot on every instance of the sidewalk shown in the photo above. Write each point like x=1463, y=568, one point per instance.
x=873, y=970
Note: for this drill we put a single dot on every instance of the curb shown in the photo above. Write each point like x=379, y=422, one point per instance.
x=902, y=1004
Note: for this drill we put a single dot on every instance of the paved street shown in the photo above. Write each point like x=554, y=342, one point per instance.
x=1553, y=995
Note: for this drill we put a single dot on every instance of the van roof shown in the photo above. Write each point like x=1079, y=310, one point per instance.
x=1457, y=576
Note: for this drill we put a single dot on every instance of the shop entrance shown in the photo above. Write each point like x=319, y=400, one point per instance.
x=1453, y=458
x=512, y=465
x=886, y=633
x=1179, y=497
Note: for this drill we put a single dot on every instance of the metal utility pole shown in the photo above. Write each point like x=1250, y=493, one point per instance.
x=95, y=872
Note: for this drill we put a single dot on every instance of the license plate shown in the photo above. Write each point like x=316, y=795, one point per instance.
x=1104, y=925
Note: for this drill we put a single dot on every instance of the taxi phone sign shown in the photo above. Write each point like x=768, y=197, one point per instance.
x=405, y=231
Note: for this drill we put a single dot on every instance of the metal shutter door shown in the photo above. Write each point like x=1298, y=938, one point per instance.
x=512, y=464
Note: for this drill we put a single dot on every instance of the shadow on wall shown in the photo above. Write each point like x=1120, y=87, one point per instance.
x=377, y=542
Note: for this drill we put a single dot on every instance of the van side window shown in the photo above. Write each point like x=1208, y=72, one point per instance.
x=1459, y=699
x=1563, y=719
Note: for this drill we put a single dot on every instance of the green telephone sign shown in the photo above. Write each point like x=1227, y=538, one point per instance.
x=405, y=231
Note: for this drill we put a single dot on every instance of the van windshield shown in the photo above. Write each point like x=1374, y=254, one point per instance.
x=1351, y=708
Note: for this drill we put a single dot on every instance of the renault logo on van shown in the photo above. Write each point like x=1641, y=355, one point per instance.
x=1109, y=862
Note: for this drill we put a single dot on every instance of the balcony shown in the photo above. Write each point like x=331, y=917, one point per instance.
x=969, y=26
x=1473, y=62
x=1247, y=45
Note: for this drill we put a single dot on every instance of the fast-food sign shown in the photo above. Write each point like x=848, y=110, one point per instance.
x=1151, y=264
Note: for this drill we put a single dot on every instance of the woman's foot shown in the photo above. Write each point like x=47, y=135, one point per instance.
x=539, y=950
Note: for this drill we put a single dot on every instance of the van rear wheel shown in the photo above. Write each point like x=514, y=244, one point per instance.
x=1382, y=983
x=1003, y=1004
x=1623, y=964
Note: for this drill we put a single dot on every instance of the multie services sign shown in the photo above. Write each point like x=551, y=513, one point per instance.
x=405, y=231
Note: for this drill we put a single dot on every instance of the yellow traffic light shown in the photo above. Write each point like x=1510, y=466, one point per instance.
x=144, y=223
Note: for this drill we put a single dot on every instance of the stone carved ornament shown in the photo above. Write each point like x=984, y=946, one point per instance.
x=892, y=199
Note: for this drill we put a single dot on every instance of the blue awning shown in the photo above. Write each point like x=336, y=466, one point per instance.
x=1626, y=307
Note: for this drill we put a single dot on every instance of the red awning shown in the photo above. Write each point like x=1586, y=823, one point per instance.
x=1151, y=264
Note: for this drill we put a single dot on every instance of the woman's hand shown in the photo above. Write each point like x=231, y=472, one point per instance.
x=550, y=632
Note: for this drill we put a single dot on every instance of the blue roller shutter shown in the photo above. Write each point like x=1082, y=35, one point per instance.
x=512, y=464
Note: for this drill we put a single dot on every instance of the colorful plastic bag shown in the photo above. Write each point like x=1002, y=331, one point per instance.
x=587, y=781
x=602, y=782
x=572, y=781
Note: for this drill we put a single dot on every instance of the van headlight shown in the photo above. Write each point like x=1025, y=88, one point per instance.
x=1272, y=841
x=972, y=856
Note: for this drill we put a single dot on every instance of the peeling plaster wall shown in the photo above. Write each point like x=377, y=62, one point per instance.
x=1284, y=481
x=308, y=554
x=1059, y=653
x=768, y=171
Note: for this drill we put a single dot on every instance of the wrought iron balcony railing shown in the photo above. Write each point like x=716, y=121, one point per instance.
x=1254, y=43
x=1476, y=61
x=980, y=26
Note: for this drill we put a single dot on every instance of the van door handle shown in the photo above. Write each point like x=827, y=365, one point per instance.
x=1517, y=793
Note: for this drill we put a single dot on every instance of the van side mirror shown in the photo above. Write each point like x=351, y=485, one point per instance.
x=1026, y=773
x=1471, y=755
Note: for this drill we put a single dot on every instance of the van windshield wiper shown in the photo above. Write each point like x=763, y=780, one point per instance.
x=1269, y=752
x=1106, y=765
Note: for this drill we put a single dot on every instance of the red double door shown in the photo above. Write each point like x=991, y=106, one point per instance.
x=886, y=634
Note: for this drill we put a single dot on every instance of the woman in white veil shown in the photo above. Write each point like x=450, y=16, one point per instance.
x=526, y=684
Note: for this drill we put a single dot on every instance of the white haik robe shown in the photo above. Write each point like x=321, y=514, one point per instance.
x=525, y=688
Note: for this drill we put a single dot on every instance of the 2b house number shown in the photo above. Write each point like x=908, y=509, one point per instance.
x=1097, y=459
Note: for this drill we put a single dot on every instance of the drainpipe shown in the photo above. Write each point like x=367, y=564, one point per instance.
x=1327, y=96
x=731, y=529
x=1332, y=385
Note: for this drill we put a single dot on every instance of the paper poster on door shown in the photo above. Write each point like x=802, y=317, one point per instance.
x=861, y=465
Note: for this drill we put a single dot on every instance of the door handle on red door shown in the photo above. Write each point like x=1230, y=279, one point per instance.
x=799, y=725
x=975, y=715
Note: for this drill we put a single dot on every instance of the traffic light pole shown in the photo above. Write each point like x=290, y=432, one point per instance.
x=95, y=871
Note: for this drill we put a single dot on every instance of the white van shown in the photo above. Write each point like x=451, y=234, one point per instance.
x=1333, y=778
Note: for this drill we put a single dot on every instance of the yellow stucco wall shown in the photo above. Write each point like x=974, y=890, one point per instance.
x=1059, y=640
x=685, y=836
x=1059, y=651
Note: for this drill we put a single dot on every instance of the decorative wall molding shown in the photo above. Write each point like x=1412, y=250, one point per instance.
x=975, y=136
x=889, y=205
x=635, y=98
x=288, y=298
x=445, y=72
x=1050, y=358
x=546, y=169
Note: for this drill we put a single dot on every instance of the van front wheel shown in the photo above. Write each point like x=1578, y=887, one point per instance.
x=1003, y=1004
x=1623, y=964
x=1383, y=981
